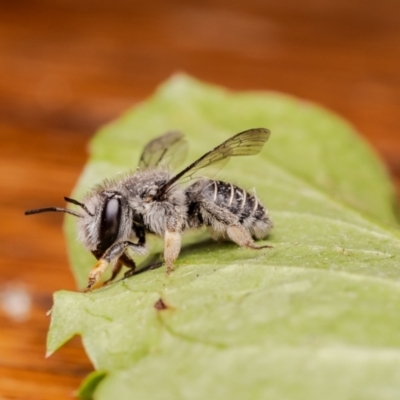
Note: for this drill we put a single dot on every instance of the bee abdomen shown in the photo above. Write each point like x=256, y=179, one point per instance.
x=245, y=206
x=232, y=197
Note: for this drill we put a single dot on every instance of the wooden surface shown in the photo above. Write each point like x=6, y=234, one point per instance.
x=67, y=67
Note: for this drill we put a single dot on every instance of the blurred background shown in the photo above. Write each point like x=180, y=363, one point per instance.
x=67, y=67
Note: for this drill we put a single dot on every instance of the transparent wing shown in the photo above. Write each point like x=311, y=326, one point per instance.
x=168, y=149
x=246, y=143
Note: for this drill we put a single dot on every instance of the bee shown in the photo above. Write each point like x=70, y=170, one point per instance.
x=117, y=214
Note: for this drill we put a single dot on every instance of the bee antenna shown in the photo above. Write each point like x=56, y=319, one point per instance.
x=54, y=209
x=77, y=203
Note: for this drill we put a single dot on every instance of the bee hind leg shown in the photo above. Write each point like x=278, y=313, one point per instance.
x=241, y=236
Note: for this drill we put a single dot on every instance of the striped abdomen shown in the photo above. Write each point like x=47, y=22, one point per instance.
x=229, y=205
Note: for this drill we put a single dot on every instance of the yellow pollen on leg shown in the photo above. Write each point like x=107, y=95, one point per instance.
x=96, y=272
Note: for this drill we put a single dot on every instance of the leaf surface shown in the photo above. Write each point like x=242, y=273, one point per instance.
x=315, y=317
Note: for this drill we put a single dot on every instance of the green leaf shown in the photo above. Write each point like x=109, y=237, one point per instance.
x=315, y=317
x=89, y=385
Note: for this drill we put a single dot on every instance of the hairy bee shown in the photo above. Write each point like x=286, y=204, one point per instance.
x=117, y=214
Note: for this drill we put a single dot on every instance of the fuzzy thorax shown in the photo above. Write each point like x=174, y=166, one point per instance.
x=135, y=192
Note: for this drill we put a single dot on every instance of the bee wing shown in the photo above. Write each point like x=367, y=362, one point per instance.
x=168, y=149
x=246, y=143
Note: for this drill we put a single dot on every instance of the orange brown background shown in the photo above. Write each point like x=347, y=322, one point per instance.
x=67, y=67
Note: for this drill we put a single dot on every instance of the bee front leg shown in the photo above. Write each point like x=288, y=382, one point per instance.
x=112, y=253
x=95, y=273
x=128, y=262
x=116, y=269
x=172, y=247
x=123, y=260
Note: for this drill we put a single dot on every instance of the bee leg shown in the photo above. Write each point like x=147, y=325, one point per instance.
x=172, y=247
x=140, y=233
x=228, y=223
x=116, y=270
x=114, y=252
x=128, y=262
x=241, y=236
x=150, y=267
x=95, y=273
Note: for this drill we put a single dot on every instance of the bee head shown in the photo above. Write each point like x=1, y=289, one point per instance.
x=107, y=222
x=102, y=222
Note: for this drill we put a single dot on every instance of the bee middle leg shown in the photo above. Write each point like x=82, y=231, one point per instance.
x=172, y=247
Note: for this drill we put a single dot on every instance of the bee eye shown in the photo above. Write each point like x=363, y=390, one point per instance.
x=110, y=221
